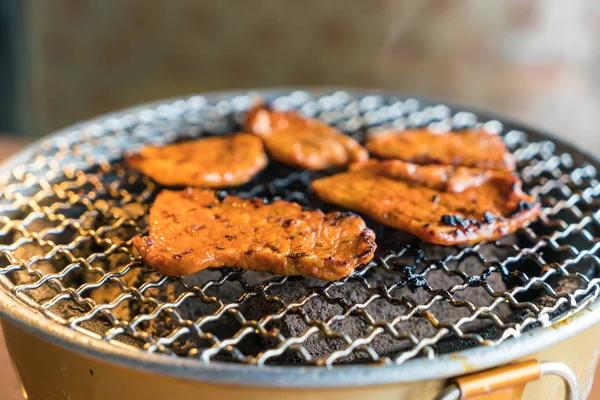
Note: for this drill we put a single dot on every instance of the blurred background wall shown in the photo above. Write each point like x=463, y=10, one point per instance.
x=535, y=60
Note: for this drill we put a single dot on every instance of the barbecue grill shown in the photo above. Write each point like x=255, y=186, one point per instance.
x=85, y=318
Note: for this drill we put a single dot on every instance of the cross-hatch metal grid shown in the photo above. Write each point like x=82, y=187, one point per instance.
x=68, y=215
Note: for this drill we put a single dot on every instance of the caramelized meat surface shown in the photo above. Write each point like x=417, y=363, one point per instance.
x=438, y=204
x=469, y=148
x=442, y=178
x=212, y=162
x=194, y=229
x=302, y=142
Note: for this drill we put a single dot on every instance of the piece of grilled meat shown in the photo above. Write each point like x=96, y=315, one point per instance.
x=194, y=229
x=212, y=162
x=303, y=142
x=470, y=148
x=438, y=204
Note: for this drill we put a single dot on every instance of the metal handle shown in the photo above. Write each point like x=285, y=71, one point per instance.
x=485, y=382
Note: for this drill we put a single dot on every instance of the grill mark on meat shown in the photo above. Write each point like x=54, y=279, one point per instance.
x=297, y=255
x=274, y=249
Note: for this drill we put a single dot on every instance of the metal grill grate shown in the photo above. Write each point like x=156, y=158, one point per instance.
x=68, y=215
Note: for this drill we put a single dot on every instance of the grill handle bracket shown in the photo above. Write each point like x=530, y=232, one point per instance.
x=480, y=384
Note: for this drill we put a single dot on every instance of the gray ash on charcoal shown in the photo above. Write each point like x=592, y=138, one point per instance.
x=564, y=285
x=528, y=268
x=491, y=332
x=355, y=325
x=98, y=324
x=561, y=285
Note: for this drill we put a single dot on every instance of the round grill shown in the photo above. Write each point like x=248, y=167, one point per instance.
x=69, y=210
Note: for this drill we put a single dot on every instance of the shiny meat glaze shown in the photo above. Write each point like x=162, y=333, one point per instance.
x=303, y=142
x=214, y=162
x=441, y=178
x=192, y=230
x=470, y=148
x=481, y=209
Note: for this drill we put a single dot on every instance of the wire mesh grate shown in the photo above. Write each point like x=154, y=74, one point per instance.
x=68, y=214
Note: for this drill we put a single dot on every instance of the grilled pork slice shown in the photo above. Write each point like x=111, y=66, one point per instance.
x=438, y=204
x=470, y=148
x=302, y=142
x=194, y=229
x=212, y=162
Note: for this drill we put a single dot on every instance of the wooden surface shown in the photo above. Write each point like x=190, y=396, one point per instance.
x=9, y=386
